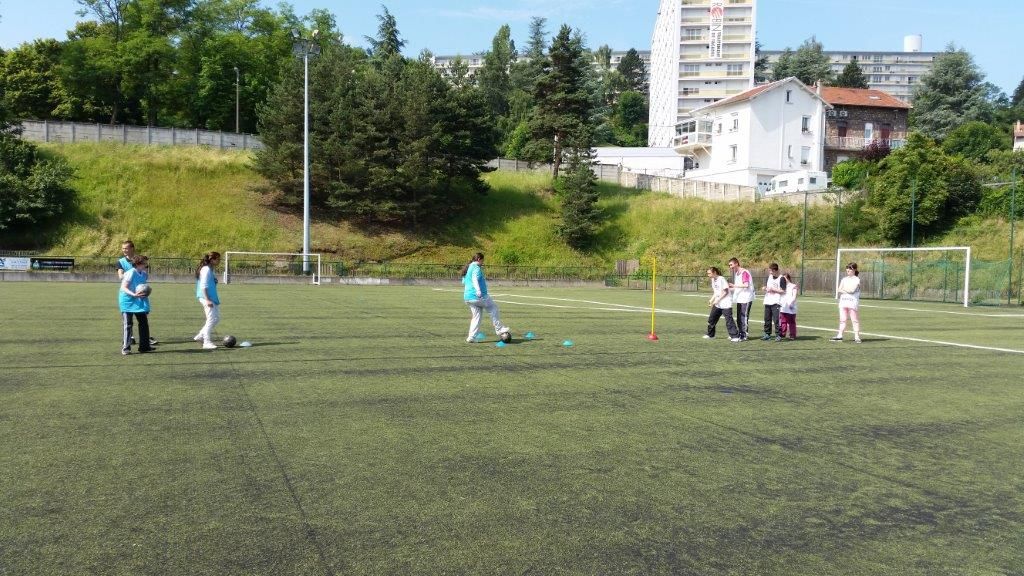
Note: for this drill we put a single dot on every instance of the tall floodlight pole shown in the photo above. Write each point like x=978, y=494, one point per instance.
x=304, y=48
x=237, y=97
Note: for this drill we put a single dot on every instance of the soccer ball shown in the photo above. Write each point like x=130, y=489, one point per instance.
x=229, y=341
x=144, y=289
x=505, y=337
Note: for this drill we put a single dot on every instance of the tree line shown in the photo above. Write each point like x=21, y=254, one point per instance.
x=393, y=140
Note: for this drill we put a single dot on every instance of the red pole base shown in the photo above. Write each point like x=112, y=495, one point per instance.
x=652, y=336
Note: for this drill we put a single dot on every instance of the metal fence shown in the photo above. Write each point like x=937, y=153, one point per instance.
x=72, y=132
x=992, y=283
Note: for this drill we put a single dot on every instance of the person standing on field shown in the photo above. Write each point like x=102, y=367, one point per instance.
x=721, y=305
x=476, y=297
x=849, y=303
x=134, y=305
x=124, y=265
x=742, y=287
x=787, y=309
x=206, y=293
x=774, y=288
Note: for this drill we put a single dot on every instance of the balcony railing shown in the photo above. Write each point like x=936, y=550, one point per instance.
x=851, y=143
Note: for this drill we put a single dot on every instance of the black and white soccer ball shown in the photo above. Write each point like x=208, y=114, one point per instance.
x=144, y=289
x=230, y=341
x=505, y=336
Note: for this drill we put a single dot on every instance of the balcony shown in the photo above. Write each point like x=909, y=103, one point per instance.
x=852, y=143
x=692, y=134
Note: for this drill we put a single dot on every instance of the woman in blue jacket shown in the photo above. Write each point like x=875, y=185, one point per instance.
x=476, y=297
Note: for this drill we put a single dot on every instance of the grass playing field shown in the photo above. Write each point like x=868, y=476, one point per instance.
x=362, y=435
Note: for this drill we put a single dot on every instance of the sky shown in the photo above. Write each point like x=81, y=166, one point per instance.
x=985, y=28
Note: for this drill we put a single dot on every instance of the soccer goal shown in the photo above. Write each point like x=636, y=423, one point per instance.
x=935, y=273
x=267, y=265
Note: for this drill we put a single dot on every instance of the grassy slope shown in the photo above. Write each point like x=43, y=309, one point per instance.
x=183, y=201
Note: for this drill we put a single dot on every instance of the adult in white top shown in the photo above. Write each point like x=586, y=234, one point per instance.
x=774, y=289
x=721, y=305
x=849, y=302
x=742, y=287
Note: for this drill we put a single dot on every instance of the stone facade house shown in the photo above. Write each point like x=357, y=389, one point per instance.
x=860, y=118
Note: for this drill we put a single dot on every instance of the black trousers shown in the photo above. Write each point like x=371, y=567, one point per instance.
x=717, y=313
x=743, y=317
x=126, y=330
x=771, y=318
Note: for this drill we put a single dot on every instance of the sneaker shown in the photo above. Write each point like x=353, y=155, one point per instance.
x=198, y=338
x=125, y=352
x=470, y=340
x=209, y=346
x=145, y=350
x=836, y=338
x=766, y=337
x=778, y=338
x=743, y=338
x=706, y=337
x=153, y=341
x=857, y=340
x=735, y=340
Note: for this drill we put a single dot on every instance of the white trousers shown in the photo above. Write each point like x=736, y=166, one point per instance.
x=477, y=307
x=212, y=318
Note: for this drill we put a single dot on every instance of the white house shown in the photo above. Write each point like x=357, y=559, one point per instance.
x=1018, y=136
x=751, y=137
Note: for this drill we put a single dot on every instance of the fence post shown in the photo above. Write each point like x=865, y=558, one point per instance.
x=124, y=133
x=46, y=131
x=73, y=132
x=173, y=136
x=197, y=136
x=99, y=132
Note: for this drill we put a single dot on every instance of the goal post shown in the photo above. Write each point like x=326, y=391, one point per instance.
x=265, y=264
x=842, y=254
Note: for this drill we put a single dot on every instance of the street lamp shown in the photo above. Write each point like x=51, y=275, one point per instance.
x=237, y=95
x=304, y=48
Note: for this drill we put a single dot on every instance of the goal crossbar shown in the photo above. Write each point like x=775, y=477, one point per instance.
x=311, y=263
x=965, y=249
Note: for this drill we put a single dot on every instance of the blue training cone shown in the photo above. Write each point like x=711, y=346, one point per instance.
x=499, y=344
x=567, y=343
x=480, y=337
x=529, y=335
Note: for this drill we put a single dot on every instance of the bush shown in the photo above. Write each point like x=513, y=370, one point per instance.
x=32, y=189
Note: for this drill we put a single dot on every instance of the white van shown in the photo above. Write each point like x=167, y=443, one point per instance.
x=799, y=181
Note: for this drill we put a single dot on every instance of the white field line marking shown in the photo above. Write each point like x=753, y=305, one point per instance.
x=612, y=307
x=905, y=309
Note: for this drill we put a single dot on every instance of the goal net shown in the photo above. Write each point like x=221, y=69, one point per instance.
x=941, y=274
x=267, y=266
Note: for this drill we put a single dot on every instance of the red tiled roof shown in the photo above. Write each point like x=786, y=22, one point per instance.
x=861, y=97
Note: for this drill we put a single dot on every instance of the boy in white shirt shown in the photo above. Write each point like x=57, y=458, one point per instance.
x=721, y=305
x=742, y=287
x=774, y=289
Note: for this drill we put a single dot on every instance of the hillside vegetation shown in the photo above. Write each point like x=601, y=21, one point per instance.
x=184, y=201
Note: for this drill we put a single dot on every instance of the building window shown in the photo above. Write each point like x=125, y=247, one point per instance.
x=841, y=128
x=869, y=131
x=813, y=179
x=876, y=58
x=789, y=96
x=735, y=124
x=789, y=151
x=734, y=70
x=805, y=124
x=805, y=155
x=733, y=152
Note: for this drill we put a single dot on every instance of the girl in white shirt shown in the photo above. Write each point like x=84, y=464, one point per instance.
x=849, y=302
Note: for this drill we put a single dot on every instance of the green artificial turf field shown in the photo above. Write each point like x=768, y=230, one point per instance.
x=362, y=435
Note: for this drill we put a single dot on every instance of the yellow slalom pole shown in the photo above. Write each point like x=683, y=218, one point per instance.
x=654, y=282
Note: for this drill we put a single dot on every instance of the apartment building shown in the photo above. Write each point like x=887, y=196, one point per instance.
x=749, y=138
x=860, y=118
x=702, y=51
x=895, y=73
